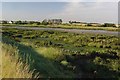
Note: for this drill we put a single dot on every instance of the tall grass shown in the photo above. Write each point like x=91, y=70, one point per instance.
x=50, y=53
x=0, y=61
x=12, y=67
x=38, y=63
x=66, y=26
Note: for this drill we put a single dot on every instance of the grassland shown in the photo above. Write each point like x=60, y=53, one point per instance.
x=12, y=67
x=35, y=65
x=55, y=54
x=65, y=26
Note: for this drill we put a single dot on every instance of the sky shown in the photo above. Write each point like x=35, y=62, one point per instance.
x=59, y=0
x=100, y=11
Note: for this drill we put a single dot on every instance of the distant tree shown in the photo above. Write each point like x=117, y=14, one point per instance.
x=45, y=22
x=4, y=22
x=50, y=22
x=31, y=22
x=18, y=22
x=70, y=22
x=25, y=22
x=60, y=21
x=12, y=22
x=109, y=25
x=89, y=24
x=38, y=23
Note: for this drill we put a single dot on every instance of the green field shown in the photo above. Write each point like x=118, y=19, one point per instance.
x=65, y=26
x=53, y=54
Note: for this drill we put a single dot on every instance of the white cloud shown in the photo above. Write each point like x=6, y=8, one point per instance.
x=89, y=12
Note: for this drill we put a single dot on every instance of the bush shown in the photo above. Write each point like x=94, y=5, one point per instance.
x=108, y=25
x=89, y=25
x=65, y=63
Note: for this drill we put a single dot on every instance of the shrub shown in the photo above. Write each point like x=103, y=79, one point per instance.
x=64, y=62
x=108, y=25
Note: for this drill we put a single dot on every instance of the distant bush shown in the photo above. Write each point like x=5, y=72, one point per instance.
x=108, y=25
x=89, y=24
x=44, y=22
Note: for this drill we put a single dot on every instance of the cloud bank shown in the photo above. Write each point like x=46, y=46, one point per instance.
x=89, y=11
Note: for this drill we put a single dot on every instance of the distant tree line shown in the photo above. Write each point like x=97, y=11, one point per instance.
x=27, y=22
x=58, y=21
x=108, y=25
x=44, y=22
x=94, y=24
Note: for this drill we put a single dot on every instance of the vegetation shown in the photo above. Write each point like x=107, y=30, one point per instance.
x=55, y=54
x=12, y=67
x=45, y=24
x=108, y=25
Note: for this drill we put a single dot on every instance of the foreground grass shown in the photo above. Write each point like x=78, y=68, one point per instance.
x=12, y=67
x=60, y=54
x=39, y=65
x=50, y=52
x=65, y=27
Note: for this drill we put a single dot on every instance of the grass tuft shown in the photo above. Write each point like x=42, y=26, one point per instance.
x=12, y=67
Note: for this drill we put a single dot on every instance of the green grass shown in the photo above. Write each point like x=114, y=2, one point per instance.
x=65, y=27
x=88, y=27
x=50, y=52
x=37, y=63
x=12, y=67
x=58, y=54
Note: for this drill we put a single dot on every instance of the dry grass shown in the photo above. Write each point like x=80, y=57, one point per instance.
x=12, y=67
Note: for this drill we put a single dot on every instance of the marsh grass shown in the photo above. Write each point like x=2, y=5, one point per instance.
x=50, y=53
x=0, y=60
x=40, y=65
x=65, y=26
x=41, y=50
x=12, y=67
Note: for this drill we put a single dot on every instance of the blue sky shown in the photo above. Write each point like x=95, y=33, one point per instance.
x=95, y=11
